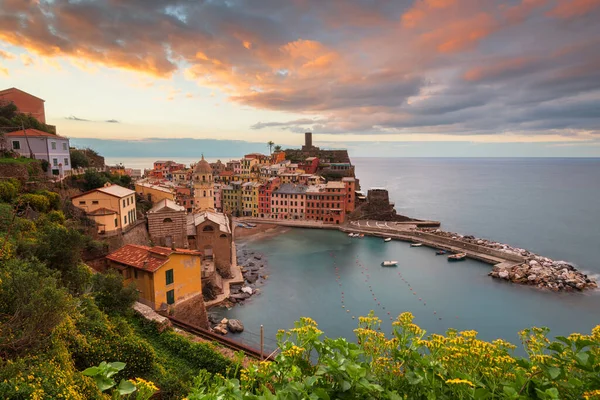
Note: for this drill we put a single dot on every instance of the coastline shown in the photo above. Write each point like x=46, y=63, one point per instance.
x=261, y=231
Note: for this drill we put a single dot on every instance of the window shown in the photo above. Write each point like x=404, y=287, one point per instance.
x=171, y=297
x=81, y=202
x=135, y=275
x=66, y=161
x=55, y=162
x=125, y=220
x=16, y=145
x=65, y=146
x=169, y=276
x=94, y=201
x=123, y=202
x=53, y=144
x=116, y=222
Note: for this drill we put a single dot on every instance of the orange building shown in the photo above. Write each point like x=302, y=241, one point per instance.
x=25, y=102
x=163, y=276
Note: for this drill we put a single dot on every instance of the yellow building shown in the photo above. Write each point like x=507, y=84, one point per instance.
x=203, y=186
x=250, y=199
x=154, y=193
x=163, y=276
x=248, y=166
x=112, y=207
x=231, y=198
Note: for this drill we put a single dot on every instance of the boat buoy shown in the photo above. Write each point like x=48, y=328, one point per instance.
x=347, y=310
x=353, y=317
x=419, y=299
x=435, y=312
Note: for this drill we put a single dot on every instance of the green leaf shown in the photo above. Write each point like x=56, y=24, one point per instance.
x=510, y=391
x=582, y=357
x=413, y=378
x=481, y=393
x=321, y=393
x=126, y=387
x=117, y=365
x=554, y=372
x=103, y=382
x=552, y=393
x=564, y=340
x=346, y=386
x=555, y=346
x=91, y=371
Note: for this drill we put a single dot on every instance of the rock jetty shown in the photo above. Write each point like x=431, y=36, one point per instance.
x=535, y=270
x=225, y=325
x=253, y=267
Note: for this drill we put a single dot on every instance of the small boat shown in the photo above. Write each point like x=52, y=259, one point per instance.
x=389, y=263
x=362, y=235
x=441, y=252
x=416, y=244
x=251, y=225
x=387, y=239
x=457, y=257
x=351, y=234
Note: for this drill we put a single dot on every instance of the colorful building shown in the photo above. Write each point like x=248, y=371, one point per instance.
x=154, y=192
x=350, y=187
x=265, y=193
x=112, y=207
x=250, y=195
x=277, y=157
x=288, y=201
x=235, y=166
x=203, y=186
x=231, y=198
x=217, y=188
x=26, y=103
x=167, y=224
x=210, y=232
x=43, y=146
x=248, y=166
x=310, y=165
x=163, y=276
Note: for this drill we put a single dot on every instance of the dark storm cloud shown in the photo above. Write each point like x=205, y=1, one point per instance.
x=353, y=66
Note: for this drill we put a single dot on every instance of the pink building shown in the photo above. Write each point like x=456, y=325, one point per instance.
x=289, y=202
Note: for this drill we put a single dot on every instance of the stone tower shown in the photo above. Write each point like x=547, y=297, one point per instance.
x=203, y=186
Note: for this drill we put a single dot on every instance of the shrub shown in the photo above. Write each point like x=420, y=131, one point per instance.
x=8, y=191
x=56, y=216
x=410, y=366
x=53, y=199
x=111, y=295
x=36, y=201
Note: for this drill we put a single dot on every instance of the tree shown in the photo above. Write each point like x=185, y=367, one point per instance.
x=270, y=145
x=278, y=148
x=79, y=159
x=111, y=295
x=93, y=180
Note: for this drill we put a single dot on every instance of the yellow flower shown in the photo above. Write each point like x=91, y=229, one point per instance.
x=593, y=395
x=459, y=381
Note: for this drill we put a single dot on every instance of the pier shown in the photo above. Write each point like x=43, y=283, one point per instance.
x=402, y=231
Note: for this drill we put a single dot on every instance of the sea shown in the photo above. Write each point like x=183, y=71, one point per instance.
x=550, y=206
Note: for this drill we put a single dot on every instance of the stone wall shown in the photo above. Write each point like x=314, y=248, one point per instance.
x=136, y=235
x=165, y=233
x=22, y=171
x=379, y=208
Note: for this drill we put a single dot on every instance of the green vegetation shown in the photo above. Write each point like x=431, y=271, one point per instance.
x=11, y=120
x=93, y=180
x=57, y=319
x=409, y=365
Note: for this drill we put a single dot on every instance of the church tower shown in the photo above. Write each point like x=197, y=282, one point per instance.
x=203, y=186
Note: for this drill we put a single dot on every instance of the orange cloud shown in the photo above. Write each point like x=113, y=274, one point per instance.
x=421, y=8
x=573, y=8
x=3, y=71
x=460, y=35
x=6, y=55
x=498, y=68
x=247, y=44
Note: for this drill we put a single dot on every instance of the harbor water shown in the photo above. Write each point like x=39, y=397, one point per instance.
x=549, y=206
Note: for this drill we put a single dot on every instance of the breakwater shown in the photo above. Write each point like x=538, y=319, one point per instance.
x=510, y=263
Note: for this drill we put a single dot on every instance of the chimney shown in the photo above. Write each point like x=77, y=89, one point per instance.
x=308, y=140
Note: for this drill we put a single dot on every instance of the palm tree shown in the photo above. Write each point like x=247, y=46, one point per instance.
x=270, y=144
x=278, y=148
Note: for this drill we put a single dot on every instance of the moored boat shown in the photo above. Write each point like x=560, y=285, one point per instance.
x=389, y=263
x=387, y=239
x=351, y=234
x=416, y=244
x=361, y=235
x=457, y=257
x=441, y=252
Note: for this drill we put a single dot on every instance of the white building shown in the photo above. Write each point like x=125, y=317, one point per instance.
x=43, y=146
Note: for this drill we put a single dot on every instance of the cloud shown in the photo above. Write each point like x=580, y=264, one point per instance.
x=454, y=67
x=74, y=118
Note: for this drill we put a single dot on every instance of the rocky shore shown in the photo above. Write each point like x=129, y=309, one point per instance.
x=536, y=270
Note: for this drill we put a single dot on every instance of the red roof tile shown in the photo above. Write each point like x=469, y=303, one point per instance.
x=30, y=132
x=146, y=258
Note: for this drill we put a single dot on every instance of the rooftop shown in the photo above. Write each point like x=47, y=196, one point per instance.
x=289, y=188
x=14, y=89
x=166, y=205
x=335, y=185
x=30, y=132
x=193, y=220
x=144, y=257
x=113, y=190
x=160, y=188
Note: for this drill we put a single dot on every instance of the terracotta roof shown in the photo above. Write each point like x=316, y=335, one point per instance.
x=226, y=173
x=30, y=132
x=166, y=205
x=102, y=211
x=146, y=258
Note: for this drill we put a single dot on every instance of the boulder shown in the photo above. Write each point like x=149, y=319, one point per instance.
x=251, y=278
x=221, y=329
x=247, y=289
x=503, y=274
x=532, y=277
x=224, y=321
x=235, y=325
x=258, y=257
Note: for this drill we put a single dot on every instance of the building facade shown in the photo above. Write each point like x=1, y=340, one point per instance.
x=210, y=233
x=288, y=201
x=154, y=193
x=163, y=276
x=25, y=102
x=112, y=207
x=167, y=224
x=203, y=186
x=43, y=146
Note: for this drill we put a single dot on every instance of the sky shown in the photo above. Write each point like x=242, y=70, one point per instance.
x=380, y=77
